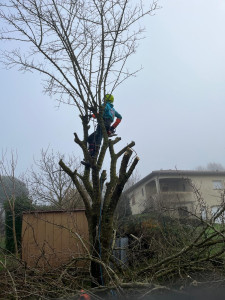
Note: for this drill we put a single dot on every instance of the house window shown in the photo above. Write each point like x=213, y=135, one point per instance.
x=165, y=188
x=142, y=190
x=217, y=185
x=133, y=200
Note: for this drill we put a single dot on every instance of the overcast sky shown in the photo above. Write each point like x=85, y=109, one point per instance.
x=174, y=109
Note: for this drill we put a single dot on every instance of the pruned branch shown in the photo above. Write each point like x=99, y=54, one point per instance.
x=121, y=152
x=73, y=176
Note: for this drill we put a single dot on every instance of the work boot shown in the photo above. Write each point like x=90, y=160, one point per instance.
x=85, y=163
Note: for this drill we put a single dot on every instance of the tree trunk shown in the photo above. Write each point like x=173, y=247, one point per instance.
x=95, y=251
x=14, y=229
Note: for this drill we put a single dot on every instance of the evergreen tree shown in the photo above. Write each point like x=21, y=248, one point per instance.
x=21, y=204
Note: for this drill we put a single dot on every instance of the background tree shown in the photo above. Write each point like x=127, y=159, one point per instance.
x=50, y=185
x=21, y=204
x=11, y=189
x=212, y=166
x=82, y=48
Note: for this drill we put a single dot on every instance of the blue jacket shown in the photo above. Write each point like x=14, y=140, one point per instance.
x=110, y=112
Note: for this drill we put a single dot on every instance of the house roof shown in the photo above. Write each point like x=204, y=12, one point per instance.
x=186, y=173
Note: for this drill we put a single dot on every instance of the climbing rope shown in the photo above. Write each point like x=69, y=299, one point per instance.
x=99, y=230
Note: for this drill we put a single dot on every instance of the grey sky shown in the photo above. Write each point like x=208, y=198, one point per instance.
x=173, y=110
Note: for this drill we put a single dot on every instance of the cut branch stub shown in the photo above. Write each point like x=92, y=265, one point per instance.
x=121, y=152
x=124, y=162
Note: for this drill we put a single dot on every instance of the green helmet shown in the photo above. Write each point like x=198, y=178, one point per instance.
x=109, y=98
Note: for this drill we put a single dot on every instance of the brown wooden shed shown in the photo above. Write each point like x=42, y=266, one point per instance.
x=52, y=238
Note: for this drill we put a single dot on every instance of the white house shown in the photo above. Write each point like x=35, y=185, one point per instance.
x=178, y=193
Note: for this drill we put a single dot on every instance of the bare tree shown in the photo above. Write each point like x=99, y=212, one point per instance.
x=8, y=168
x=50, y=185
x=82, y=48
x=212, y=166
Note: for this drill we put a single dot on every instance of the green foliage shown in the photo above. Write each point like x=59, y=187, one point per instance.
x=148, y=223
x=136, y=224
x=21, y=204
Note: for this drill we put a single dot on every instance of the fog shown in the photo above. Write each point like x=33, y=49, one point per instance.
x=173, y=109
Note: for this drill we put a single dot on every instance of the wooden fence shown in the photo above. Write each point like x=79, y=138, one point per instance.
x=52, y=238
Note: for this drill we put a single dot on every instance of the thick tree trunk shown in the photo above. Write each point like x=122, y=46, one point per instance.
x=100, y=235
x=100, y=209
x=107, y=236
x=95, y=251
x=101, y=252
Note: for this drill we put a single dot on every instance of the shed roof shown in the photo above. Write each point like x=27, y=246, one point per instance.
x=52, y=211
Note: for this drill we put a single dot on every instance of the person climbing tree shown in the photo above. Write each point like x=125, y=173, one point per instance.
x=82, y=49
x=94, y=140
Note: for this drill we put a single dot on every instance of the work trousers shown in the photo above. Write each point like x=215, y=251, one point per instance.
x=96, y=137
